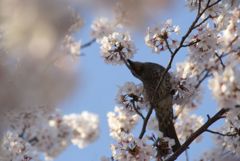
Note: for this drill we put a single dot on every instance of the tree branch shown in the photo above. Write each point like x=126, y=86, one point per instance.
x=201, y=130
x=221, y=134
x=206, y=75
x=191, y=43
x=220, y=59
x=136, y=110
x=88, y=44
x=202, y=22
x=145, y=122
x=168, y=46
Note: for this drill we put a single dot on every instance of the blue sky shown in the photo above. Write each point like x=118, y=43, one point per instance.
x=99, y=83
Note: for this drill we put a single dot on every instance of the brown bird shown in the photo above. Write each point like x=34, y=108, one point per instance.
x=150, y=74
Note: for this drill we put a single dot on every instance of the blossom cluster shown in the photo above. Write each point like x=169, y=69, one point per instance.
x=102, y=27
x=116, y=47
x=225, y=87
x=229, y=141
x=187, y=124
x=130, y=148
x=85, y=128
x=219, y=155
x=131, y=96
x=121, y=121
x=38, y=132
x=158, y=38
x=127, y=147
x=16, y=149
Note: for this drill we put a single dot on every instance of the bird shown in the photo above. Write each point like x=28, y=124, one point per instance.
x=162, y=99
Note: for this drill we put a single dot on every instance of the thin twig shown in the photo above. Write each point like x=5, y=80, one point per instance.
x=213, y=4
x=206, y=75
x=199, y=7
x=202, y=129
x=221, y=134
x=168, y=46
x=145, y=122
x=202, y=22
x=191, y=43
x=220, y=59
x=137, y=111
x=88, y=44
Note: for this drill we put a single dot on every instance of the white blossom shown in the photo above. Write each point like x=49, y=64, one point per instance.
x=49, y=133
x=102, y=27
x=72, y=47
x=156, y=37
x=185, y=83
x=85, y=128
x=218, y=154
x=131, y=96
x=121, y=121
x=187, y=124
x=130, y=148
x=230, y=142
x=226, y=87
x=17, y=149
x=115, y=46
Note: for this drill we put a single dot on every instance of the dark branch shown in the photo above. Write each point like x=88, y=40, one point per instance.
x=206, y=75
x=199, y=7
x=220, y=59
x=88, y=44
x=168, y=46
x=137, y=111
x=197, y=133
x=145, y=122
x=191, y=43
x=221, y=134
x=202, y=22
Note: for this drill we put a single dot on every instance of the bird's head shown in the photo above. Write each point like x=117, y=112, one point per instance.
x=144, y=70
x=136, y=68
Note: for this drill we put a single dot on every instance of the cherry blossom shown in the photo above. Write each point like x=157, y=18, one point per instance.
x=85, y=128
x=131, y=96
x=102, y=27
x=187, y=124
x=121, y=121
x=117, y=46
x=132, y=149
x=156, y=37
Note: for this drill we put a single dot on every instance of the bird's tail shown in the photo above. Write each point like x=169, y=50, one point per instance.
x=171, y=133
x=164, y=114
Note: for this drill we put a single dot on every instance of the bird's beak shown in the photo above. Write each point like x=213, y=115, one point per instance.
x=132, y=67
x=130, y=64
